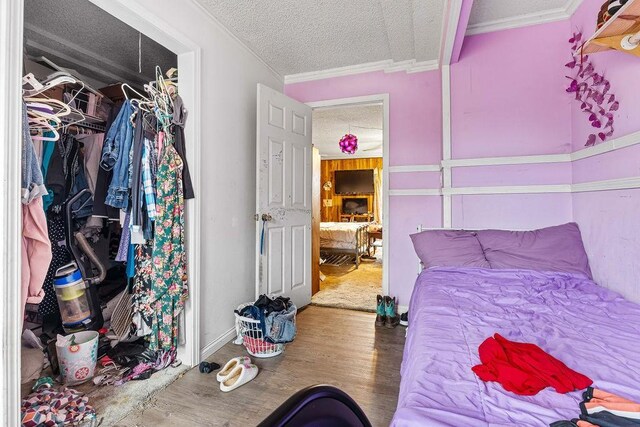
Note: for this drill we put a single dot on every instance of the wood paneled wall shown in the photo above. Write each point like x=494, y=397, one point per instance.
x=332, y=214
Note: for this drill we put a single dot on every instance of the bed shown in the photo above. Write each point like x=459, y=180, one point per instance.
x=344, y=238
x=453, y=309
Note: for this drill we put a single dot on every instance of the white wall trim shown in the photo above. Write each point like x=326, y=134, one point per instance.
x=416, y=192
x=607, y=185
x=218, y=343
x=592, y=186
x=602, y=148
x=388, y=66
x=414, y=168
x=608, y=146
x=368, y=99
x=572, y=6
x=509, y=189
x=11, y=30
x=450, y=20
x=519, y=21
x=447, y=212
x=508, y=160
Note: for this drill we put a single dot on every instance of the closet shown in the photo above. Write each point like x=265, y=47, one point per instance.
x=104, y=184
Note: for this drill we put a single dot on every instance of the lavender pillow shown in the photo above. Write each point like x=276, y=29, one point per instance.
x=557, y=248
x=449, y=248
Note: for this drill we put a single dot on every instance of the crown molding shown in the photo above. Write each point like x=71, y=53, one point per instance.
x=525, y=20
x=572, y=6
x=388, y=66
x=519, y=21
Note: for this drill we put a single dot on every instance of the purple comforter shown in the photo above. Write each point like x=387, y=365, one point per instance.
x=591, y=329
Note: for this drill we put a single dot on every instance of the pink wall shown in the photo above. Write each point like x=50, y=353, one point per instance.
x=511, y=211
x=507, y=99
x=507, y=94
x=610, y=227
x=532, y=174
x=415, y=121
x=621, y=69
x=415, y=133
x=609, y=220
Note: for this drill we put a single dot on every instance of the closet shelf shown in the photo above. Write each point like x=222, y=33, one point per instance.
x=615, y=31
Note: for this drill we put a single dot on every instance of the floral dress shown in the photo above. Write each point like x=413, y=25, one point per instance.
x=160, y=285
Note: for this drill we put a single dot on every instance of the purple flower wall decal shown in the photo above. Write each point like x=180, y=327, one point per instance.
x=591, y=90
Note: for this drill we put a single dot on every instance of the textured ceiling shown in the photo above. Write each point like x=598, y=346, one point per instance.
x=487, y=11
x=295, y=36
x=79, y=35
x=331, y=124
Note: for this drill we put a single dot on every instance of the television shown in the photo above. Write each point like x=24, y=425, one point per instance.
x=358, y=181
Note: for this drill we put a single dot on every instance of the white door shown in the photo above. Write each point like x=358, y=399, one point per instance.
x=283, y=201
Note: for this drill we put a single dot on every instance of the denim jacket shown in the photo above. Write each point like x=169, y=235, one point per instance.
x=115, y=155
x=32, y=180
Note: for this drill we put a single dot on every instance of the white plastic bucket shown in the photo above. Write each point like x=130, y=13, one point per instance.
x=78, y=360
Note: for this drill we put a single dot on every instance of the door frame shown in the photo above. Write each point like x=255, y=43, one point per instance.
x=371, y=99
x=189, y=62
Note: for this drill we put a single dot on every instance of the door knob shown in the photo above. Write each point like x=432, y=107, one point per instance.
x=267, y=217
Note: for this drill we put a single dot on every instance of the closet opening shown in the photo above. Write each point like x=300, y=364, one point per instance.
x=104, y=263
x=349, y=202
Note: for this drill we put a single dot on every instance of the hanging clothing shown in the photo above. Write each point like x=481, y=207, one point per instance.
x=116, y=157
x=162, y=273
x=92, y=154
x=32, y=180
x=103, y=179
x=48, y=148
x=179, y=119
x=36, y=252
x=525, y=368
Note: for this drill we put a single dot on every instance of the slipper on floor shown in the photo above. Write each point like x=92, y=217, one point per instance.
x=228, y=367
x=240, y=375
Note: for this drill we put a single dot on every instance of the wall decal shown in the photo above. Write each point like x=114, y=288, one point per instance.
x=592, y=90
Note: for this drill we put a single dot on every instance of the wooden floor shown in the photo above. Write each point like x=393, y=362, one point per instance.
x=339, y=347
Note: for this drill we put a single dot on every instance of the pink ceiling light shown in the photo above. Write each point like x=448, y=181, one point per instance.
x=349, y=144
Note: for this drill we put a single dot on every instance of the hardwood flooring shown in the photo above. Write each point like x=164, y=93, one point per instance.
x=339, y=347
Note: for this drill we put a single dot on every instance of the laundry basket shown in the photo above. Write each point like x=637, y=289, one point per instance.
x=252, y=338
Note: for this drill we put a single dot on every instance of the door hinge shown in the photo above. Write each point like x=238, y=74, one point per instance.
x=256, y=217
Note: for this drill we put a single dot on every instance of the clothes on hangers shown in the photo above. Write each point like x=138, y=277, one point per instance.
x=36, y=252
x=32, y=180
x=161, y=286
x=179, y=119
x=92, y=154
x=115, y=157
x=103, y=180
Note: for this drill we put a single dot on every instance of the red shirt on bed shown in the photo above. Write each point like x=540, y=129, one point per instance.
x=525, y=368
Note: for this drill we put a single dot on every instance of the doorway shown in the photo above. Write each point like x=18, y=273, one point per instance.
x=350, y=215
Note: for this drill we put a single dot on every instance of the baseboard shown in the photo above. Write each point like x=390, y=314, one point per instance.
x=217, y=344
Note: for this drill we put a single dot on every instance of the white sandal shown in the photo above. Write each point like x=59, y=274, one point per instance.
x=228, y=367
x=240, y=375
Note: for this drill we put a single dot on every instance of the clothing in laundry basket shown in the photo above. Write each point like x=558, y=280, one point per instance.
x=276, y=317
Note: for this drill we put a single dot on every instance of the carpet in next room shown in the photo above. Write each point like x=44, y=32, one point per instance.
x=348, y=287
